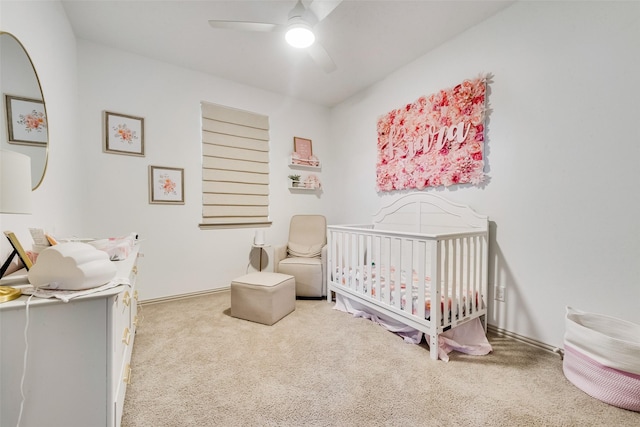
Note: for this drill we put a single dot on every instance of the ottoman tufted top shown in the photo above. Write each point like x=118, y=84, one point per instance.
x=263, y=279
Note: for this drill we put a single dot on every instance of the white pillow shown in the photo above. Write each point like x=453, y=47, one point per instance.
x=304, y=251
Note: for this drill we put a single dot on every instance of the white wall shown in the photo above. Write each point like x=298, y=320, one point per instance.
x=89, y=193
x=563, y=156
x=179, y=257
x=44, y=31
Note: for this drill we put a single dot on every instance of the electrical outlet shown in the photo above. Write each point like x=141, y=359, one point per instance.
x=499, y=293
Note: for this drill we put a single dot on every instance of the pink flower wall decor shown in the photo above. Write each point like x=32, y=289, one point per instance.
x=436, y=140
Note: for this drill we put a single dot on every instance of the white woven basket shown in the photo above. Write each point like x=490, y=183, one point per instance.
x=602, y=357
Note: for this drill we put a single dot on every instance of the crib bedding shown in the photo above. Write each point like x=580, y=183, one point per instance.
x=359, y=277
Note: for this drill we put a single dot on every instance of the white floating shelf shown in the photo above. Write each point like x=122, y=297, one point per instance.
x=303, y=165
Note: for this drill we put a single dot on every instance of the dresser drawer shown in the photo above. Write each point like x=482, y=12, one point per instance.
x=122, y=306
x=121, y=389
x=124, y=312
x=121, y=333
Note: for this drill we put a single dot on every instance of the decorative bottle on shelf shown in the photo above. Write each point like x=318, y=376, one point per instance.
x=295, y=180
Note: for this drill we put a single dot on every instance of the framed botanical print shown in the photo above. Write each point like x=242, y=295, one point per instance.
x=166, y=185
x=26, y=121
x=123, y=134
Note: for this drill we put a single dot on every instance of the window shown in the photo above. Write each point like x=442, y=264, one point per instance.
x=235, y=168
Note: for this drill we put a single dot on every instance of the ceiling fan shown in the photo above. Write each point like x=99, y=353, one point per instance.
x=298, y=27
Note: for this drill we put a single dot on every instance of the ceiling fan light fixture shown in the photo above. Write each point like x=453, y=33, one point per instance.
x=299, y=35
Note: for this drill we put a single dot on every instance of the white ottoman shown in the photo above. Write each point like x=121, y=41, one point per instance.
x=263, y=297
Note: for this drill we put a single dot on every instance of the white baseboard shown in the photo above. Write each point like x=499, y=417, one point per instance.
x=504, y=333
x=183, y=296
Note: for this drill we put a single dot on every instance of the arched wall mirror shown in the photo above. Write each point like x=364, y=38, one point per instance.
x=23, y=125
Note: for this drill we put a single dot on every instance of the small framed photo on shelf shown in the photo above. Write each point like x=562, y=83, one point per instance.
x=303, y=152
x=302, y=147
x=166, y=185
x=123, y=134
x=26, y=121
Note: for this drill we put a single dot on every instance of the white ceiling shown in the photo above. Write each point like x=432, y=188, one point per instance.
x=366, y=39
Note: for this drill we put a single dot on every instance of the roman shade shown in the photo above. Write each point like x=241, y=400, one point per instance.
x=235, y=167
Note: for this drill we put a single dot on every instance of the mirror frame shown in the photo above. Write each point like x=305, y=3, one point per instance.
x=46, y=147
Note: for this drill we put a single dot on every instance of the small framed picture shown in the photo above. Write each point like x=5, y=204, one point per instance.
x=123, y=134
x=18, y=250
x=302, y=148
x=166, y=185
x=26, y=121
x=303, y=153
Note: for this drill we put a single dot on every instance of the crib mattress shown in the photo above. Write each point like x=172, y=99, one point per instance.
x=602, y=358
x=362, y=282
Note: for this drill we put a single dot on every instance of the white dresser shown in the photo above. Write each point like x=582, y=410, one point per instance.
x=78, y=364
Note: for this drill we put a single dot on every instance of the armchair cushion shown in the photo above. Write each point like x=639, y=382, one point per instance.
x=304, y=251
x=308, y=230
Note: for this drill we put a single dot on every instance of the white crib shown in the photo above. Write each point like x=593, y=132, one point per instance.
x=421, y=248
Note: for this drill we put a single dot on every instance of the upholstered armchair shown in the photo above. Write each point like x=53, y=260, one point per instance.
x=305, y=255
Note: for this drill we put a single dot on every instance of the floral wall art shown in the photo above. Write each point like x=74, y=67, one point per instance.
x=124, y=134
x=166, y=185
x=436, y=140
x=26, y=120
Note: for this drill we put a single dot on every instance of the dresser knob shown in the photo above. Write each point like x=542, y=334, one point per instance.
x=127, y=374
x=126, y=336
x=126, y=298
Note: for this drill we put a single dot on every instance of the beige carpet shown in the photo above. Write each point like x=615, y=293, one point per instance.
x=194, y=365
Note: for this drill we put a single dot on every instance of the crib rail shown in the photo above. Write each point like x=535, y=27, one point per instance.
x=429, y=282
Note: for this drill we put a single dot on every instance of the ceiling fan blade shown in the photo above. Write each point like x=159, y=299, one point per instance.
x=246, y=26
x=322, y=8
x=321, y=57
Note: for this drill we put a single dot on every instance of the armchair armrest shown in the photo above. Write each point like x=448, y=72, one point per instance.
x=323, y=257
x=279, y=253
